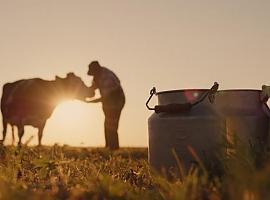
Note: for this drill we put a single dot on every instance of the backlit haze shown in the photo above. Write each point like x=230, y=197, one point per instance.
x=171, y=44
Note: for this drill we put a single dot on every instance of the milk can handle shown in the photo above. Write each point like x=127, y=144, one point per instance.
x=177, y=107
x=210, y=94
x=152, y=92
x=171, y=108
x=265, y=94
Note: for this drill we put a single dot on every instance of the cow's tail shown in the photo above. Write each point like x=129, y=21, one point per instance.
x=5, y=93
x=4, y=98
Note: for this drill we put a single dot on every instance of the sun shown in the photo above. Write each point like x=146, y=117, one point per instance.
x=74, y=122
x=70, y=111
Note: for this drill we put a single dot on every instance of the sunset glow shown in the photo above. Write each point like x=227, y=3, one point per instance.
x=72, y=118
x=68, y=111
x=169, y=45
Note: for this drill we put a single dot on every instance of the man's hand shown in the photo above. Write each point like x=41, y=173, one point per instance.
x=93, y=101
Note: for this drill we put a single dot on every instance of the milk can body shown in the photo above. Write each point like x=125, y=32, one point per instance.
x=199, y=129
x=246, y=116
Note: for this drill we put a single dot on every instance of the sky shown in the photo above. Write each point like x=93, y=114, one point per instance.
x=172, y=44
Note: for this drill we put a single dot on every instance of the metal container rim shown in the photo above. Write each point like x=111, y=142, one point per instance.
x=203, y=90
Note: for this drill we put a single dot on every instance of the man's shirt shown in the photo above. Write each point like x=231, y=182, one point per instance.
x=106, y=82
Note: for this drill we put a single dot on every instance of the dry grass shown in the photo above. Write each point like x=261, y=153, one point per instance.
x=62, y=172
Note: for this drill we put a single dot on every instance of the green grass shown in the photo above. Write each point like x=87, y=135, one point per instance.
x=63, y=172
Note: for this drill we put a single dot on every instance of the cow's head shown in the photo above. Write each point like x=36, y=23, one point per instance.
x=72, y=87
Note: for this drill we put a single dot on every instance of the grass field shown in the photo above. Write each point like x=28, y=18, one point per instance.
x=63, y=172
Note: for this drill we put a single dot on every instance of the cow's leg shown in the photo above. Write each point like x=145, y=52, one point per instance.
x=13, y=136
x=4, y=130
x=40, y=133
x=20, y=133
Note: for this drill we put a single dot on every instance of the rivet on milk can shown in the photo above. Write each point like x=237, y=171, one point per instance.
x=183, y=120
x=246, y=114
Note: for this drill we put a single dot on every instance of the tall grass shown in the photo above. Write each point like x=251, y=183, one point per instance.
x=62, y=172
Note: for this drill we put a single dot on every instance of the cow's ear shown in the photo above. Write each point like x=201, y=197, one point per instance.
x=71, y=74
x=57, y=78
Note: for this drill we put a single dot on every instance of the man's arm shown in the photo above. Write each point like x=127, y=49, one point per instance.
x=95, y=100
x=108, y=87
x=92, y=89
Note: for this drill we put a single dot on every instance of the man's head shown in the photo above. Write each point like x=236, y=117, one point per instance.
x=94, y=68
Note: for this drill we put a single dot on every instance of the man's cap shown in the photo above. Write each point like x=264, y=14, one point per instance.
x=94, y=64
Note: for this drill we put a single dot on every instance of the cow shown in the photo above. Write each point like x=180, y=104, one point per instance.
x=32, y=101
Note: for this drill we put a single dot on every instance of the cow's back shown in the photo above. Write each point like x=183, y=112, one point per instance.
x=25, y=99
x=7, y=93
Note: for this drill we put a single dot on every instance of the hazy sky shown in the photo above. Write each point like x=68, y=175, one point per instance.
x=163, y=43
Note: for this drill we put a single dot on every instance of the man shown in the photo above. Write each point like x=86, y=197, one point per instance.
x=112, y=99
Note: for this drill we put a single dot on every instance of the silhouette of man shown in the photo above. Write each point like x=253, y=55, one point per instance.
x=112, y=99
